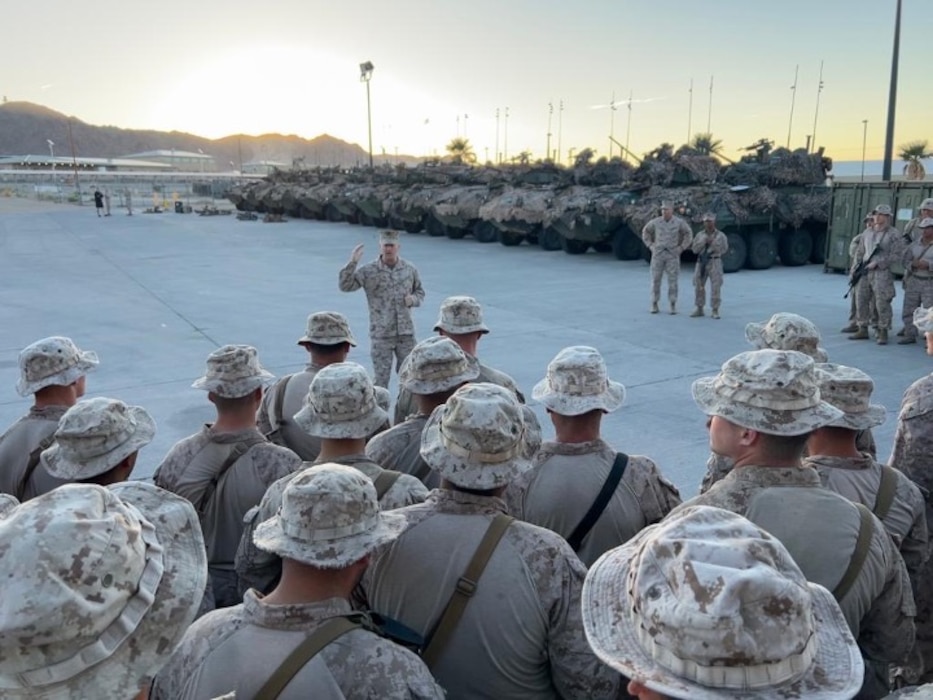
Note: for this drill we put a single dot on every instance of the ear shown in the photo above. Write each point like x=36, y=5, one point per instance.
x=749, y=437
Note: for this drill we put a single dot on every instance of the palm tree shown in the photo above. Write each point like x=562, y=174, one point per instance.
x=705, y=144
x=461, y=151
x=913, y=154
x=584, y=158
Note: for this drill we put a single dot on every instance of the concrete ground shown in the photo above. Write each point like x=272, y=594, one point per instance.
x=154, y=294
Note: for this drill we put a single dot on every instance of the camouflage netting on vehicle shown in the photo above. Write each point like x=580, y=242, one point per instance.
x=520, y=205
x=795, y=209
x=460, y=203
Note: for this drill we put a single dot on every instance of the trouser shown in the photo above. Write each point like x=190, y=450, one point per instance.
x=713, y=273
x=382, y=352
x=664, y=261
x=853, y=315
x=875, y=290
x=917, y=292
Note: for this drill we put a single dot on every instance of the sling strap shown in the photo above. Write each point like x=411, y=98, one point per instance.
x=240, y=449
x=304, y=652
x=34, y=459
x=277, y=418
x=465, y=589
x=886, y=491
x=866, y=529
x=384, y=482
x=602, y=500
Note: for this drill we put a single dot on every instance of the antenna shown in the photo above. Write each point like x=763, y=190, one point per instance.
x=793, y=99
x=816, y=114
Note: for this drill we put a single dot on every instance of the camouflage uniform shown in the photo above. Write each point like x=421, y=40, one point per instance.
x=853, y=293
x=876, y=288
x=716, y=245
x=666, y=240
x=27, y=434
x=399, y=449
x=918, y=284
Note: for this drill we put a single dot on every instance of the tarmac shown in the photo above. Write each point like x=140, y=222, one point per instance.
x=154, y=294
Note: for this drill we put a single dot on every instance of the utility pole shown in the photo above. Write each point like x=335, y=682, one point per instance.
x=612, y=122
x=498, y=159
x=505, y=147
x=690, y=112
x=560, y=128
x=709, y=115
x=628, y=122
x=793, y=99
x=892, y=99
x=816, y=114
x=74, y=159
x=550, y=115
x=864, y=141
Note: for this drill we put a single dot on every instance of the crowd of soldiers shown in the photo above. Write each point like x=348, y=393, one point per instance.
x=304, y=544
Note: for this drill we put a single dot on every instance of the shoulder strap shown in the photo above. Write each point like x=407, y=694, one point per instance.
x=278, y=419
x=240, y=449
x=304, y=652
x=865, y=531
x=34, y=459
x=602, y=500
x=465, y=589
x=385, y=481
x=886, y=492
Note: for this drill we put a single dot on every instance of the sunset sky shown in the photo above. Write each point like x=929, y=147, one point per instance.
x=443, y=67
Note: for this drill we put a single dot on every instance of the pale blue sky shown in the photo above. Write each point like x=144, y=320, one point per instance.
x=215, y=68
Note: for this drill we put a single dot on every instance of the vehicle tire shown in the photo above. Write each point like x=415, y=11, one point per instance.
x=734, y=259
x=434, y=227
x=625, y=244
x=366, y=220
x=818, y=254
x=485, y=232
x=574, y=247
x=603, y=247
x=550, y=239
x=762, y=250
x=455, y=233
x=413, y=226
x=510, y=239
x=795, y=247
x=332, y=213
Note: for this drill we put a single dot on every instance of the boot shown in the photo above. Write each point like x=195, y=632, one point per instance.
x=907, y=341
x=715, y=313
x=673, y=308
x=882, y=336
x=860, y=334
x=654, y=307
x=901, y=332
x=698, y=311
x=851, y=328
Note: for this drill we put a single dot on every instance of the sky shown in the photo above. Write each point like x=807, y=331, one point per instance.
x=444, y=68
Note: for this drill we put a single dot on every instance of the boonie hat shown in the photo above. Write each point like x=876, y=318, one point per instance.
x=927, y=204
x=883, y=209
x=707, y=605
x=54, y=361
x=341, y=404
x=437, y=364
x=388, y=236
x=849, y=389
x=926, y=223
x=709, y=216
x=775, y=392
x=923, y=319
x=577, y=382
x=329, y=519
x=461, y=315
x=233, y=371
x=327, y=328
x=477, y=439
x=96, y=435
x=784, y=331
x=100, y=585
x=7, y=503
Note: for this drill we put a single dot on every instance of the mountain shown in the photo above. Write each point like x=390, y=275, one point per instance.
x=25, y=128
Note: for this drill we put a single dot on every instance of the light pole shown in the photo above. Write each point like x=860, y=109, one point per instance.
x=892, y=99
x=505, y=147
x=816, y=114
x=560, y=128
x=550, y=115
x=690, y=112
x=498, y=159
x=864, y=141
x=793, y=99
x=366, y=74
x=709, y=114
x=51, y=152
x=612, y=122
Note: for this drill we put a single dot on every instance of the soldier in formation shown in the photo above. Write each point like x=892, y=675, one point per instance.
x=918, y=279
x=852, y=325
x=710, y=245
x=879, y=247
x=393, y=288
x=912, y=227
x=667, y=236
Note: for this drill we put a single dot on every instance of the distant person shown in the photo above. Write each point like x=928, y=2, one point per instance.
x=98, y=201
x=129, y=201
x=710, y=245
x=918, y=280
x=879, y=248
x=852, y=326
x=667, y=236
x=912, y=227
x=107, y=202
x=393, y=288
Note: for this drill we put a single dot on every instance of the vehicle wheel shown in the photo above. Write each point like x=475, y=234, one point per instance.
x=434, y=227
x=818, y=254
x=352, y=218
x=396, y=223
x=455, y=233
x=762, y=250
x=366, y=220
x=550, y=239
x=625, y=244
x=332, y=213
x=734, y=259
x=510, y=239
x=602, y=247
x=485, y=232
x=795, y=247
x=574, y=247
x=413, y=226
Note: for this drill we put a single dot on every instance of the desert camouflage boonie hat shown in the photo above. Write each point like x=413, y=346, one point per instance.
x=776, y=392
x=329, y=519
x=667, y=204
x=784, y=331
x=882, y=209
x=96, y=435
x=577, y=382
x=849, y=389
x=926, y=223
x=927, y=204
x=461, y=315
x=233, y=371
x=923, y=319
x=437, y=364
x=709, y=216
x=707, y=605
x=100, y=585
x=327, y=328
x=388, y=236
x=54, y=361
x=7, y=503
x=341, y=404
x=477, y=439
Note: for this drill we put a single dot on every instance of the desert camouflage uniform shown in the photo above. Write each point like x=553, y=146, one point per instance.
x=667, y=240
x=717, y=247
x=406, y=405
x=521, y=636
x=189, y=469
x=18, y=442
x=391, y=329
x=876, y=288
x=254, y=639
x=912, y=230
x=399, y=448
x=565, y=481
x=920, y=692
x=282, y=429
x=820, y=529
x=853, y=311
x=918, y=284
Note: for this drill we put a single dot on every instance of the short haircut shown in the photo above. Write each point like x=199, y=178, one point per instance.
x=225, y=404
x=319, y=349
x=783, y=447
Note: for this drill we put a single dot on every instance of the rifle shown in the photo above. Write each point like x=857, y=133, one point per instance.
x=704, y=261
x=860, y=271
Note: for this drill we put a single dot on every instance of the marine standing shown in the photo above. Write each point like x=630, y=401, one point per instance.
x=667, y=236
x=710, y=245
x=879, y=248
x=918, y=279
x=392, y=287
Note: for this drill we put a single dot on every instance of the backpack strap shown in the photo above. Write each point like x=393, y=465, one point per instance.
x=34, y=458
x=602, y=500
x=866, y=529
x=240, y=449
x=886, y=491
x=465, y=589
x=385, y=481
x=276, y=417
x=304, y=652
